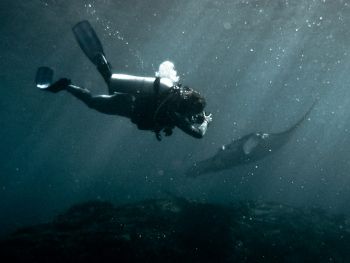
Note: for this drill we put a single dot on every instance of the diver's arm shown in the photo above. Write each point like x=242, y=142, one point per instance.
x=189, y=127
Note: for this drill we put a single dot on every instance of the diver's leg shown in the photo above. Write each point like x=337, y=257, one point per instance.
x=104, y=67
x=117, y=104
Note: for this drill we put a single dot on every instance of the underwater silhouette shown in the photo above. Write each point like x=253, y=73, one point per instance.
x=157, y=103
x=250, y=148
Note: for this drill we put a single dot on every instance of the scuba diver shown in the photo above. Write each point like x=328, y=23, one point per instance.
x=157, y=103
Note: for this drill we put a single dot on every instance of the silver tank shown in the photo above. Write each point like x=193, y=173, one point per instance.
x=123, y=83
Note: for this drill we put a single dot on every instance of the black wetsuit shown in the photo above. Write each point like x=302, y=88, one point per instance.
x=149, y=102
x=149, y=111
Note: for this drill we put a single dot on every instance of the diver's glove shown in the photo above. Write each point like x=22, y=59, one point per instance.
x=208, y=118
x=201, y=117
x=204, y=126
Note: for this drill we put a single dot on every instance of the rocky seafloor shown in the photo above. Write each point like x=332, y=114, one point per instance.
x=176, y=230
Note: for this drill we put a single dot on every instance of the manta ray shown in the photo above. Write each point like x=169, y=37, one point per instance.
x=247, y=149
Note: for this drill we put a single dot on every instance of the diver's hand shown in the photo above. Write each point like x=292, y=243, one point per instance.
x=208, y=118
x=204, y=126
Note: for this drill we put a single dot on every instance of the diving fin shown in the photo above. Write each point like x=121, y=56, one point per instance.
x=92, y=47
x=43, y=80
x=88, y=40
x=44, y=76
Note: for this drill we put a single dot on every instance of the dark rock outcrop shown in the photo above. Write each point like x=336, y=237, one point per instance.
x=176, y=230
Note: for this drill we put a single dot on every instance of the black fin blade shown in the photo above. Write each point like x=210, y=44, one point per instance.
x=88, y=40
x=44, y=76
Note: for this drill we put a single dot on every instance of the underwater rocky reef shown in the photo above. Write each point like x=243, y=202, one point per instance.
x=177, y=230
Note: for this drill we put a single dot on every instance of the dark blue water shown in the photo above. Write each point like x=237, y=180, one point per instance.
x=260, y=64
